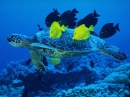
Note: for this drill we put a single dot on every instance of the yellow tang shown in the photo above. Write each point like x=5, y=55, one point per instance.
x=55, y=61
x=82, y=32
x=56, y=30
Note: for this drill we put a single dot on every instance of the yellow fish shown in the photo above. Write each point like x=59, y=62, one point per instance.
x=56, y=30
x=55, y=61
x=82, y=32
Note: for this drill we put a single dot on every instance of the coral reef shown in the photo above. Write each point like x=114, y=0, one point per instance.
x=121, y=75
x=97, y=90
x=76, y=77
x=116, y=84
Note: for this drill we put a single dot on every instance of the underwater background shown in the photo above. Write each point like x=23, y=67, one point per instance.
x=22, y=16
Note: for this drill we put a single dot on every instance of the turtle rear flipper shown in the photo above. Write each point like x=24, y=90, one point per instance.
x=37, y=60
x=114, y=52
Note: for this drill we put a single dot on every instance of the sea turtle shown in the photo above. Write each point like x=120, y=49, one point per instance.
x=63, y=47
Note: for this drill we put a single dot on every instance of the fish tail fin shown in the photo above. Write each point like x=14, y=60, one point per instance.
x=91, y=28
x=117, y=27
x=55, y=10
x=63, y=27
x=75, y=11
x=95, y=14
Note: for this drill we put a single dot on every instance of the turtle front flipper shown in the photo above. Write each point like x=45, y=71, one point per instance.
x=37, y=60
x=114, y=52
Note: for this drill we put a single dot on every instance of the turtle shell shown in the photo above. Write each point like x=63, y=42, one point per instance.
x=65, y=42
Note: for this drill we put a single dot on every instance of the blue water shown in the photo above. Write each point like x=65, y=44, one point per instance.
x=22, y=16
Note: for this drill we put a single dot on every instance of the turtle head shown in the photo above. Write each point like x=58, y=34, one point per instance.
x=18, y=40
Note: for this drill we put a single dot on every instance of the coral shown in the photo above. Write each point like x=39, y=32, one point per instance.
x=19, y=79
x=97, y=90
x=117, y=84
x=18, y=75
x=10, y=91
x=121, y=75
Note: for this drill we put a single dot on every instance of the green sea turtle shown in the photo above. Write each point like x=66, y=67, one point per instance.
x=63, y=47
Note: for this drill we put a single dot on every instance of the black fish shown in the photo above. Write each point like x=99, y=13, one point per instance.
x=53, y=16
x=68, y=18
x=25, y=92
x=70, y=67
x=95, y=34
x=109, y=30
x=58, y=66
x=90, y=19
x=39, y=27
x=44, y=60
x=91, y=64
x=39, y=77
x=28, y=61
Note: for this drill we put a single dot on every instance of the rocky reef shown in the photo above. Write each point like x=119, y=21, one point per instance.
x=116, y=84
x=77, y=77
